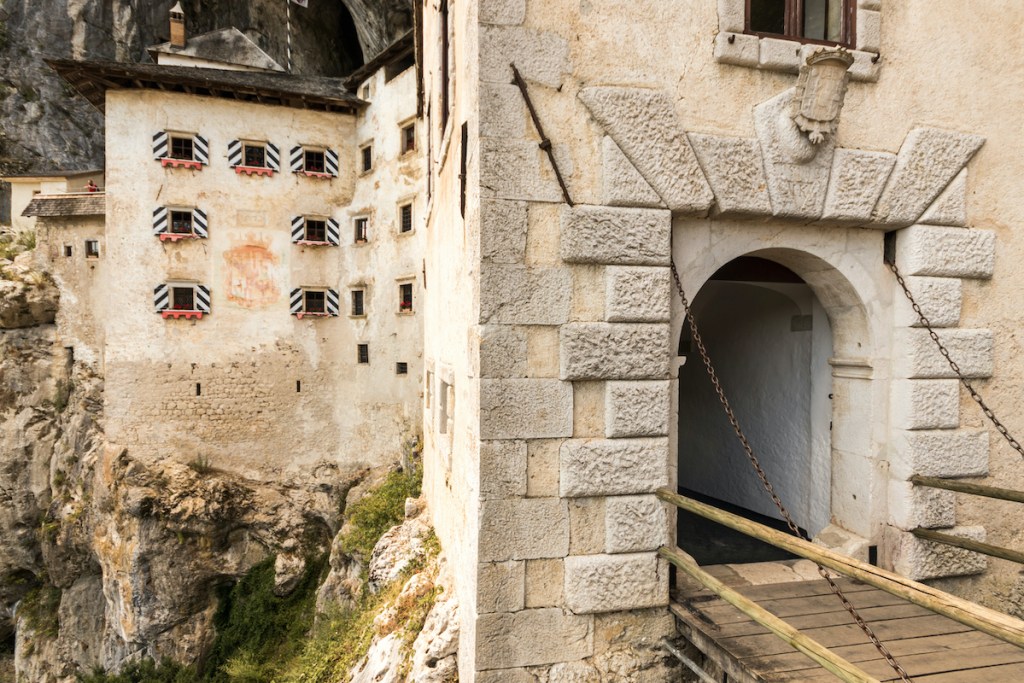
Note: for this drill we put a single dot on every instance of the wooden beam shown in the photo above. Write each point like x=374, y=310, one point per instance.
x=841, y=668
x=994, y=623
x=968, y=487
x=969, y=544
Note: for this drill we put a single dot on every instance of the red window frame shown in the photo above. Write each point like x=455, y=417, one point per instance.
x=794, y=27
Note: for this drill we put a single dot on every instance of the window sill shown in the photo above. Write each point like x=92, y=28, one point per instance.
x=181, y=163
x=360, y=243
x=784, y=54
x=315, y=174
x=312, y=243
x=361, y=316
x=254, y=170
x=302, y=315
x=174, y=237
x=406, y=233
x=198, y=315
x=408, y=311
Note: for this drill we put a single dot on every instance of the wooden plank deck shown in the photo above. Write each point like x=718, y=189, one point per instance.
x=932, y=648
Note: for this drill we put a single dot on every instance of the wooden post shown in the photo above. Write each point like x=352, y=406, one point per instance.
x=969, y=544
x=968, y=487
x=812, y=648
x=989, y=621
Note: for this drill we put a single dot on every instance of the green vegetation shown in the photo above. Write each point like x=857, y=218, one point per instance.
x=145, y=671
x=24, y=241
x=40, y=608
x=201, y=465
x=371, y=517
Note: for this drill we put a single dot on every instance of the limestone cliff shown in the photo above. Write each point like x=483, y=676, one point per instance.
x=45, y=126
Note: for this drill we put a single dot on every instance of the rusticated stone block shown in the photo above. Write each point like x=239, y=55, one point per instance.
x=613, y=583
x=644, y=124
x=623, y=184
x=926, y=404
x=939, y=298
x=634, y=524
x=636, y=409
x=501, y=587
x=919, y=357
x=737, y=48
x=525, y=408
x=735, y=171
x=615, y=467
x=919, y=506
x=614, y=351
x=520, y=295
x=523, y=529
x=518, y=675
x=918, y=559
x=502, y=111
x=516, y=169
x=856, y=183
x=951, y=206
x=869, y=30
x=540, y=56
x=503, y=228
x=531, y=638
x=616, y=236
x=503, y=352
x=943, y=453
x=502, y=469
x=637, y=294
x=506, y=12
x=780, y=55
x=927, y=162
x=946, y=252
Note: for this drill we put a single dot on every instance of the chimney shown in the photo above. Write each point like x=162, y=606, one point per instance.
x=177, y=26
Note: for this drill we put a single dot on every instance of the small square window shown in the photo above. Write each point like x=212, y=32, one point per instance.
x=68, y=251
x=92, y=249
x=314, y=161
x=182, y=148
x=366, y=158
x=254, y=155
x=314, y=301
x=401, y=368
x=405, y=297
x=358, y=297
x=361, y=229
x=183, y=298
x=409, y=138
x=316, y=230
x=405, y=218
x=363, y=353
x=181, y=222
x=365, y=92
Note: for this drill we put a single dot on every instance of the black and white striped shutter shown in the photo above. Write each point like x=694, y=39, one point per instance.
x=296, y=301
x=235, y=153
x=161, y=298
x=160, y=145
x=298, y=228
x=160, y=220
x=199, y=223
x=273, y=157
x=333, y=232
x=202, y=298
x=202, y=149
x=295, y=159
x=333, y=303
x=331, y=162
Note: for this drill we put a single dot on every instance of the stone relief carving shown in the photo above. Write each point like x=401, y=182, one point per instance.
x=820, y=91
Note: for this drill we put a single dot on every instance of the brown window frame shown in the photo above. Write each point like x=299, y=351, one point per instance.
x=405, y=297
x=408, y=133
x=314, y=301
x=794, y=24
x=177, y=146
x=315, y=230
x=314, y=161
x=405, y=218
x=361, y=229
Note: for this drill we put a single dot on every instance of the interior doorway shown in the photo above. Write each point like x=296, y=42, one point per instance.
x=770, y=340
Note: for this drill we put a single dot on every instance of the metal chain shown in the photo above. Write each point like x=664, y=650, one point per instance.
x=1014, y=444
x=699, y=343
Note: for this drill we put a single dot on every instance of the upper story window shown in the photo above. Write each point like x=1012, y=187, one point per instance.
x=315, y=162
x=181, y=150
x=405, y=218
x=405, y=297
x=173, y=223
x=316, y=230
x=366, y=158
x=826, y=21
x=361, y=229
x=254, y=158
x=92, y=249
x=408, y=137
x=181, y=300
x=314, y=302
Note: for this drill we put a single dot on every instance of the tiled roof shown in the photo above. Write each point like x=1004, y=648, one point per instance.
x=72, y=204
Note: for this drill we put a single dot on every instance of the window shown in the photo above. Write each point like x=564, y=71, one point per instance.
x=182, y=148
x=173, y=224
x=183, y=298
x=829, y=21
x=313, y=161
x=444, y=407
x=428, y=391
x=365, y=92
x=358, y=298
x=405, y=297
x=363, y=353
x=314, y=301
x=361, y=229
x=181, y=222
x=405, y=218
x=445, y=68
x=401, y=368
x=316, y=230
x=408, y=138
x=68, y=251
x=92, y=249
x=366, y=158
x=254, y=155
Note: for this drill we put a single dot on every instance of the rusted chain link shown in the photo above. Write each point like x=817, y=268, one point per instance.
x=748, y=449
x=927, y=324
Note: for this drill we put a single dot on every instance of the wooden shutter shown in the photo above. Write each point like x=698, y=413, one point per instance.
x=202, y=298
x=273, y=157
x=333, y=303
x=295, y=159
x=333, y=232
x=298, y=228
x=159, y=220
x=331, y=162
x=235, y=153
x=161, y=298
x=296, y=301
x=199, y=223
x=201, y=149
x=160, y=145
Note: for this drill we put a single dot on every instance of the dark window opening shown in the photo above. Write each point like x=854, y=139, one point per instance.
x=827, y=21
x=409, y=138
x=401, y=368
x=357, y=302
x=92, y=249
x=405, y=297
x=255, y=156
x=298, y=386
x=316, y=230
x=315, y=301
x=405, y=215
x=182, y=148
x=445, y=71
x=362, y=229
x=199, y=389
x=314, y=161
x=181, y=222
x=363, y=353
x=68, y=251
x=366, y=156
x=183, y=298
